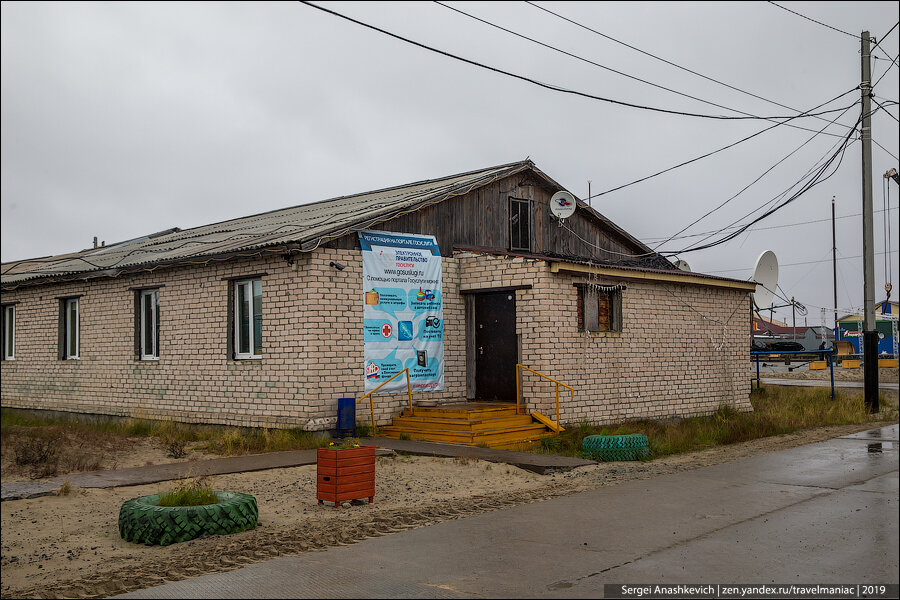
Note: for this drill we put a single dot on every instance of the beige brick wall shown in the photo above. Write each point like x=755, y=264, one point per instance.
x=312, y=346
x=683, y=349
x=667, y=361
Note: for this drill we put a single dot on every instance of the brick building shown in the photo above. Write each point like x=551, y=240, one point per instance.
x=258, y=321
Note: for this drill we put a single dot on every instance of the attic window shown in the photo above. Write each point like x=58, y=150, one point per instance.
x=520, y=225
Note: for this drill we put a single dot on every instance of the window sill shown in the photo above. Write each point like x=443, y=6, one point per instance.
x=149, y=359
x=241, y=358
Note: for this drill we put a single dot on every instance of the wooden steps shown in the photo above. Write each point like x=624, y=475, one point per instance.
x=495, y=425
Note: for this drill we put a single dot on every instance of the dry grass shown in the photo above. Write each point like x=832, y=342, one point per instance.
x=39, y=452
x=174, y=437
x=191, y=492
x=776, y=410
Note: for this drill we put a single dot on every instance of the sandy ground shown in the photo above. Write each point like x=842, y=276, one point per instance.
x=840, y=374
x=69, y=546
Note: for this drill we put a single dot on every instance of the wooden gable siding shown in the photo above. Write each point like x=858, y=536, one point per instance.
x=480, y=219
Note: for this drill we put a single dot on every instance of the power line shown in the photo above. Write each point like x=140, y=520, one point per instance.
x=856, y=37
x=586, y=60
x=878, y=43
x=812, y=222
x=708, y=154
x=885, y=110
x=668, y=62
x=745, y=188
x=553, y=87
x=815, y=180
x=886, y=71
x=797, y=264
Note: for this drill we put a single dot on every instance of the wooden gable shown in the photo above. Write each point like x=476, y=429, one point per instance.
x=480, y=220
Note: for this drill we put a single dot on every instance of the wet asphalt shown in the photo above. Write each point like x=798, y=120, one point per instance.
x=823, y=513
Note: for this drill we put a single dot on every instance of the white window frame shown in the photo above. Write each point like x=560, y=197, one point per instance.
x=9, y=332
x=254, y=352
x=153, y=352
x=72, y=342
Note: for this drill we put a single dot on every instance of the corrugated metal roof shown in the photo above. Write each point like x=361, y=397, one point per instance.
x=306, y=226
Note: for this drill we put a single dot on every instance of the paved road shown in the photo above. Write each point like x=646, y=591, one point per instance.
x=822, y=513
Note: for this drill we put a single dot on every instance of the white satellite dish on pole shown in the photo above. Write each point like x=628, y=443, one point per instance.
x=765, y=274
x=562, y=204
x=682, y=265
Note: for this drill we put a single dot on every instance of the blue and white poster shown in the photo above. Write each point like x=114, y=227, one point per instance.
x=403, y=315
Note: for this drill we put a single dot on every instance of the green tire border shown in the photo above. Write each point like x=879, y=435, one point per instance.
x=143, y=521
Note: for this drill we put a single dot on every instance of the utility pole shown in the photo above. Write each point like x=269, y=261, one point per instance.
x=794, y=317
x=870, y=334
x=834, y=266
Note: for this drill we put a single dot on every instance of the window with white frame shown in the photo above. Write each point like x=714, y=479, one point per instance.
x=9, y=331
x=248, y=319
x=69, y=328
x=149, y=324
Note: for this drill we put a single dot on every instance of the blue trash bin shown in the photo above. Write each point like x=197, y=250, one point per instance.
x=346, y=422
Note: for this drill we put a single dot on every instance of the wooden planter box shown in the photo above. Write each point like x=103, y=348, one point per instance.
x=346, y=474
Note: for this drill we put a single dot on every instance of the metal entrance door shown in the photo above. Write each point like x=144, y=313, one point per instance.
x=496, y=346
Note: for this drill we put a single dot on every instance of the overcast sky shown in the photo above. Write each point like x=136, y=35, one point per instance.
x=120, y=120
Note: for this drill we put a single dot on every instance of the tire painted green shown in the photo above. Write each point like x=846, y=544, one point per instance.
x=634, y=446
x=143, y=521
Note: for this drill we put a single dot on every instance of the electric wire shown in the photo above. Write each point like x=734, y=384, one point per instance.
x=835, y=150
x=888, y=152
x=824, y=161
x=885, y=110
x=701, y=234
x=601, y=66
x=796, y=264
x=886, y=71
x=745, y=188
x=739, y=228
x=817, y=179
x=668, y=62
x=856, y=37
x=723, y=148
x=554, y=87
x=882, y=38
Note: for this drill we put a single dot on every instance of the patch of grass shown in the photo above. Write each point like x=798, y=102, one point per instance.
x=234, y=441
x=776, y=410
x=405, y=436
x=65, y=489
x=192, y=492
x=174, y=437
x=363, y=429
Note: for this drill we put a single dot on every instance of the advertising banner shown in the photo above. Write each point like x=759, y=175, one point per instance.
x=403, y=315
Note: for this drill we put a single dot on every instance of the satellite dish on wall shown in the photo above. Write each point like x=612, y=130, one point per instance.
x=765, y=274
x=682, y=265
x=562, y=204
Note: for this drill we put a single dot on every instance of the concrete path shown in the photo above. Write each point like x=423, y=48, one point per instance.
x=539, y=463
x=167, y=472
x=822, y=513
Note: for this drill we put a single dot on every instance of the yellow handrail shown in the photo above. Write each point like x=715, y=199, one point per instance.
x=372, y=405
x=558, y=383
